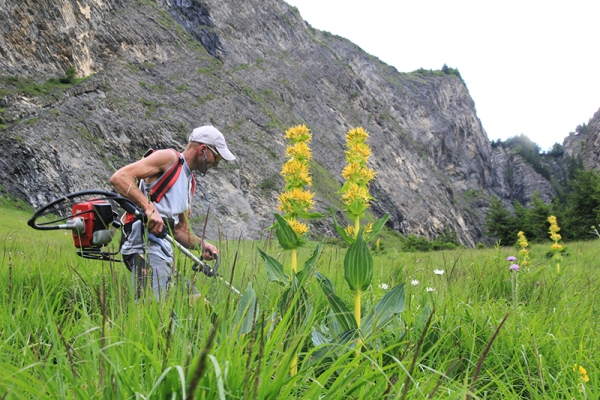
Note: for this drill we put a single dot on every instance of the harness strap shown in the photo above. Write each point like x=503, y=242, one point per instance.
x=167, y=180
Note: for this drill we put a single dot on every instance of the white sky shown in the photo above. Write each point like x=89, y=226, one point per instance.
x=531, y=66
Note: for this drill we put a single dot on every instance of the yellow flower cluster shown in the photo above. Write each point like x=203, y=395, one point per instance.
x=351, y=232
x=299, y=151
x=583, y=376
x=294, y=198
x=299, y=133
x=523, y=244
x=357, y=151
x=298, y=227
x=361, y=175
x=295, y=173
x=355, y=192
x=357, y=135
x=554, y=236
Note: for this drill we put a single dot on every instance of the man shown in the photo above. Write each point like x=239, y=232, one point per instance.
x=206, y=147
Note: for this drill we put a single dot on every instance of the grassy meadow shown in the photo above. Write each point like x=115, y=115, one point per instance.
x=70, y=327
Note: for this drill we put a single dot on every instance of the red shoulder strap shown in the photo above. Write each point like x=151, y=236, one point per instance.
x=167, y=180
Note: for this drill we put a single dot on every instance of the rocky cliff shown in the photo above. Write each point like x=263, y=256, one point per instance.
x=584, y=145
x=148, y=72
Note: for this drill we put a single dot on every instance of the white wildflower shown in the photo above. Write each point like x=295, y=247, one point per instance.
x=438, y=271
x=430, y=289
x=384, y=286
x=414, y=282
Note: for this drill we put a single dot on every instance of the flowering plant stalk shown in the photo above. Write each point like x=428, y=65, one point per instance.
x=523, y=244
x=356, y=198
x=357, y=176
x=583, y=375
x=355, y=190
x=514, y=280
x=358, y=262
x=295, y=201
x=556, y=247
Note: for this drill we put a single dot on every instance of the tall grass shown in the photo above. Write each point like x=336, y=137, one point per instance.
x=70, y=327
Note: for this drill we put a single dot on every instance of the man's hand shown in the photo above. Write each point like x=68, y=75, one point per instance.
x=209, y=251
x=155, y=221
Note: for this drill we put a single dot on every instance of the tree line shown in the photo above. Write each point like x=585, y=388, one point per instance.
x=576, y=213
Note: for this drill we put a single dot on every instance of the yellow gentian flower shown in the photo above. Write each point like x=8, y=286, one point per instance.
x=299, y=151
x=298, y=133
x=298, y=227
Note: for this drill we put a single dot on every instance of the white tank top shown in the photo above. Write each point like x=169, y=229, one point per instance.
x=176, y=200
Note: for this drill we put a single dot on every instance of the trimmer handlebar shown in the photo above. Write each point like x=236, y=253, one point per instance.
x=64, y=203
x=168, y=227
x=199, y=264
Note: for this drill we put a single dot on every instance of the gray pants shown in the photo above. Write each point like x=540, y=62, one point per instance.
x=157, y=260
x=158, y=270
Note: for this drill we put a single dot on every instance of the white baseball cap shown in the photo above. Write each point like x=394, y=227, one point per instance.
x=211, y=136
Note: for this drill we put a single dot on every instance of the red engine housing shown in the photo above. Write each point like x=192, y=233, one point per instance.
x=96, y=214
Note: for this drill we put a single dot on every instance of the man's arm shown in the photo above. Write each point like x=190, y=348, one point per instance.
x=184, y=235
x=125, y=181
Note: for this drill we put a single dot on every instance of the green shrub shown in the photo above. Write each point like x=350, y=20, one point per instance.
x=416, y=243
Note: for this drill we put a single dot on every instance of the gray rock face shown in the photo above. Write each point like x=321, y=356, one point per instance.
x=519, y=179
x=156, y=70
x=586, y=144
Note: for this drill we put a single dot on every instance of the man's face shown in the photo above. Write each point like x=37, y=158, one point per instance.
x=216, y=157
x=208, y=157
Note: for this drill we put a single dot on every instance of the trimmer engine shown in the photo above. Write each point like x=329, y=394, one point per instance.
x=92, y=222
x=90, y=216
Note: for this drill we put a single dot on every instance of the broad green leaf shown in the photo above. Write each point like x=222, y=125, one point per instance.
x=391, y=304
x=309, y=215
x=357, y=207
x=358, y=265
x=318, y=338
x=295, y=304
x=285, y=234
x=329, y=350
x=340, y=230
x=309, y=265
x=333, y=324
x=246, y=312
x=344, y=187
x=323, y=280
x=301, y=213
x=347, y=336
x=344, y=317
x=422, y=321
x=377, y=227
x=274, y=268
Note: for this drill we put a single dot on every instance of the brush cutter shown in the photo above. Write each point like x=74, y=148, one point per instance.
x=91, y=217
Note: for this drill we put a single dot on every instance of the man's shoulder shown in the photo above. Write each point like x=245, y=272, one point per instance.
x=163, y=157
